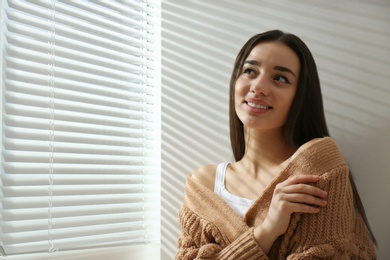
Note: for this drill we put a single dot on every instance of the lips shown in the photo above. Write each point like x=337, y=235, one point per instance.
x=254, y=105
x=258, y=104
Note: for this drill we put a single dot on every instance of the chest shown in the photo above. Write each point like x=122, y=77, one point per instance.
x=246, y=185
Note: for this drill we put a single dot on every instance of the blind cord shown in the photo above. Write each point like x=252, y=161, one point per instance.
x=144, y=85
x=52, y=56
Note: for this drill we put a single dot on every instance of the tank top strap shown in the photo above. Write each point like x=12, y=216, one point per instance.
x=219, y=183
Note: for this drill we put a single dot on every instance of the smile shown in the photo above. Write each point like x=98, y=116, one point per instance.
x=258, y=106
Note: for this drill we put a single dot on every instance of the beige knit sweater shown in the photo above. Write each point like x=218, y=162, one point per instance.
x=212, y=230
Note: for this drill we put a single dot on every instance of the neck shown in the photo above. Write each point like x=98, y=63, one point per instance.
x=265, y=150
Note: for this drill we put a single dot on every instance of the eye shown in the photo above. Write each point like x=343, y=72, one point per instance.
x=282, y=79
x=249, y=71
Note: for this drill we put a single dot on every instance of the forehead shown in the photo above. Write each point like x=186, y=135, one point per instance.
x=275, y=54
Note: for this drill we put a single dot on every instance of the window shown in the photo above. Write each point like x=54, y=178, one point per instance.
x=80, y=124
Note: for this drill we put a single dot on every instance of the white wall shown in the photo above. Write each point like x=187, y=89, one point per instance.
x=350, y=42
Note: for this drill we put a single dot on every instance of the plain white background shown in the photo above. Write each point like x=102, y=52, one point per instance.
x=350, y=42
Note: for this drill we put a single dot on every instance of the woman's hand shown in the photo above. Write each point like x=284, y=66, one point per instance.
x=292, y=195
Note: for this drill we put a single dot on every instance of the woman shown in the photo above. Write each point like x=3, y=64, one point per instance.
x=289, y=194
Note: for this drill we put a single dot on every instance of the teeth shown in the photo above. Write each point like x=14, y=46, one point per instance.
x=257, y=105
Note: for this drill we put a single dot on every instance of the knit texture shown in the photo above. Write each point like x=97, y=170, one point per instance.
x=212, y=230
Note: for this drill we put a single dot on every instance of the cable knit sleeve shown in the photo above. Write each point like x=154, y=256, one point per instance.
x=202, y=240
x=337, y=232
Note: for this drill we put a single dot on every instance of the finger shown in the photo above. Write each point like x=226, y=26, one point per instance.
x=286, y=207
x=304, y=189
x=303, y=208
x=294, y=179
x=303, y=199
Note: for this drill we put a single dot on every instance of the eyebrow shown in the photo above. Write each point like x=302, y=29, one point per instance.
x=280, y=68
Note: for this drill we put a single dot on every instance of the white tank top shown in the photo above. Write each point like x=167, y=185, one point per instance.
x=238, y=204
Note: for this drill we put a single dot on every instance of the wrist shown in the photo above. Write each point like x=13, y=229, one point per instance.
x=264, y=237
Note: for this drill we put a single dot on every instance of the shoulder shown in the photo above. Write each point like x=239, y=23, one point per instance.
x=205, y=175
x=319, y=155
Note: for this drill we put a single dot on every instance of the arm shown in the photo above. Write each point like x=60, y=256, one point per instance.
x=290, y=196
x=201, y=237
x=202, y=240
x=337, y=232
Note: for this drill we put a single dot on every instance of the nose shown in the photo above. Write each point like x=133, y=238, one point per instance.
x=261, y=86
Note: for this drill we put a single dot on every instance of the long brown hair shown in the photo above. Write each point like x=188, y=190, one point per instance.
x=306, y=118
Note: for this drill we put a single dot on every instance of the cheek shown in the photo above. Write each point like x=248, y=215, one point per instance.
x=240, y=88
x=288, y=99
x=292, y=94
x=238, y=94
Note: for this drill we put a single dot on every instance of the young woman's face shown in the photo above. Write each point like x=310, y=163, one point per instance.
x=266, y=86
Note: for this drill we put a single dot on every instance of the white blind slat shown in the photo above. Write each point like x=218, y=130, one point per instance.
x=79, y=179
x=86, y=232
x=79, y=211
x=131, y=139
x=66, y=233
x=75, y=112
x=41, y=224
x=120, y=238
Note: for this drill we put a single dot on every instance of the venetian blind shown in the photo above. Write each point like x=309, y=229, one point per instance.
x=80, y=124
